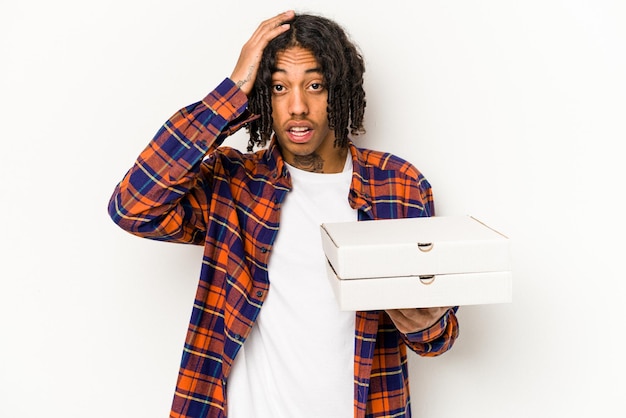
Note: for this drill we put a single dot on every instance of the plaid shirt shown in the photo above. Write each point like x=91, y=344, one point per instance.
x=185, y=188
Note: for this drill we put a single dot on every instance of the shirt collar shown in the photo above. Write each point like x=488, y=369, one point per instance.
x=275, y=160
x=359, y=197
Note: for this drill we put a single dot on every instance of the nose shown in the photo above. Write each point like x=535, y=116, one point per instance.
x=298, y=103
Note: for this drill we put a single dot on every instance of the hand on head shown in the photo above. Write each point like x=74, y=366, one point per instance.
x=247, y=66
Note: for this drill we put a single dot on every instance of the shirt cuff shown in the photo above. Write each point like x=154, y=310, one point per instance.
x=227, y=100
x=434, y=331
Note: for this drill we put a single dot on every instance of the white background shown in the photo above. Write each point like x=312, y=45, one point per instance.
x=514, y=110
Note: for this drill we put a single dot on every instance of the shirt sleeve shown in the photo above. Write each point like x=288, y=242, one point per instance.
x=437, y=339
x=160, y=196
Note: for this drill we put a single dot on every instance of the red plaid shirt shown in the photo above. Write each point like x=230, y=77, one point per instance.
x=185, y=188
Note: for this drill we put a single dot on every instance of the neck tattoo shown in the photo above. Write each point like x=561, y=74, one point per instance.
x=312, y=162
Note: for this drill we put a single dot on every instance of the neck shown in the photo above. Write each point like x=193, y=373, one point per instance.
x=314, y=163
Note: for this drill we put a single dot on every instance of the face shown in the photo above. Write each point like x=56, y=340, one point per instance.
x=299, y=112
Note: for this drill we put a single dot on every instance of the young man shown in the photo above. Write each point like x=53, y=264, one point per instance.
x=266, y=338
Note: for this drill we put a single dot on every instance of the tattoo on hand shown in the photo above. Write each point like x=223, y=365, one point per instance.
x=312, y=163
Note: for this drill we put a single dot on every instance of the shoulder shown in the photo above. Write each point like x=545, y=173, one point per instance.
x=227, y=156
x=387, y=162
x=394, y=187
x=230, y=163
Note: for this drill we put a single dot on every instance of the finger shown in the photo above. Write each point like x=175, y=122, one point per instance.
x=413, y=320
x=272, y=27
x=279, y=19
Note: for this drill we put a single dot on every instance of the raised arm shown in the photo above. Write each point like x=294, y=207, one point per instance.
x=163, y=195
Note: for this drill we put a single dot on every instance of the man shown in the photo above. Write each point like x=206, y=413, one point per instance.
x=266, y=338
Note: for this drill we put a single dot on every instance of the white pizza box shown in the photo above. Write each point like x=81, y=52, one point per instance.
x=414, y=246
x=421, y=291
x=417, y=263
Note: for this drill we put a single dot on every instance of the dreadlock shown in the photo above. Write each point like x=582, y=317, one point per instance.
x=342, y=67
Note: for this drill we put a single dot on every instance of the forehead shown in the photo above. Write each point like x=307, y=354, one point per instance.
x=296, y=60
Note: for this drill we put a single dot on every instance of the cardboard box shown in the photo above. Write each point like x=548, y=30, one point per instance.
x=426, y=292
x=417, y=262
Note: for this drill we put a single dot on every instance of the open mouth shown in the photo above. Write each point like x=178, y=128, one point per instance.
x=299, y=133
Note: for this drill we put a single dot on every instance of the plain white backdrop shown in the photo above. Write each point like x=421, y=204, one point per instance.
x=513, y=110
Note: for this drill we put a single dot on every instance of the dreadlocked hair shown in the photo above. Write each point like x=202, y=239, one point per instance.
x=342, y=68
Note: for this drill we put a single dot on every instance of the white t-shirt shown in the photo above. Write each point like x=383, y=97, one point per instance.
x=299, y=358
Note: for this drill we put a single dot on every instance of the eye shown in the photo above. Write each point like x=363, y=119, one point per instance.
x=278, y=88
x=316, y=88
